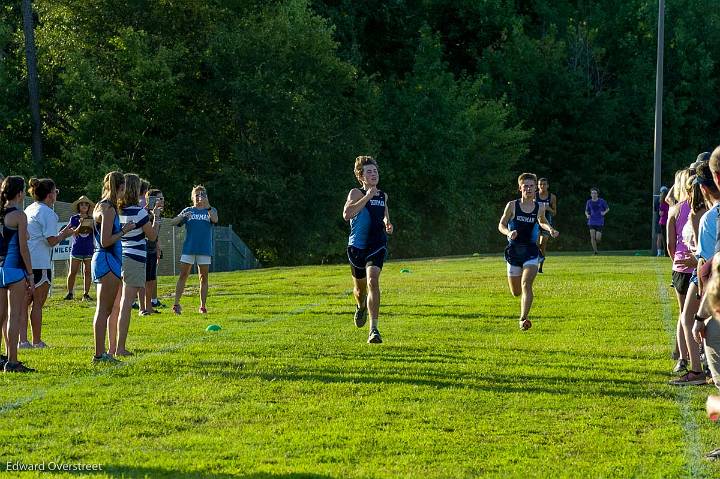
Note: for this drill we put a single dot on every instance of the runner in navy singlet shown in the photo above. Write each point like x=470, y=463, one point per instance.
x=16, y=274
x=521, y=223
x=367, y=211
x=549, y=200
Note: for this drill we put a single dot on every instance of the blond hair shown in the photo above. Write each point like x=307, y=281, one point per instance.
x=527, y=176
x=131, y=196
x=111, y=184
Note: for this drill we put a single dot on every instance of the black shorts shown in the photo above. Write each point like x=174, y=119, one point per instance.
x=362, y=258
x=518, y=254
x=151, y=267
x=41, y=276
x=681, y=281
x=597, y=228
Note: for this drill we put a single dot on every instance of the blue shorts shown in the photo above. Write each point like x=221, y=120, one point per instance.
x=104, y=263
x=519, y=256
x=10, y=276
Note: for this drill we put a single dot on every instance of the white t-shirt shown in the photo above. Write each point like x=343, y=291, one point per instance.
x=42, y=223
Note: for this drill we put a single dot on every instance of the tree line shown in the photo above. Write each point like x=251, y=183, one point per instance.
x=267, y=103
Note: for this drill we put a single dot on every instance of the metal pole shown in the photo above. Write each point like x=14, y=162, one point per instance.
x=657, y=156
x=33, y=88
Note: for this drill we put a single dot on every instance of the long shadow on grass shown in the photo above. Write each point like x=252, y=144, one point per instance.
x=497, y=382
x=139, y=472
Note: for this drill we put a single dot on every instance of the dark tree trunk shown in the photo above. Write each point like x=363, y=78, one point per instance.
x=34, y=90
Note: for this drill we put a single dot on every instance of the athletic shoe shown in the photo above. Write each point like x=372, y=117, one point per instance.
x=525, y=324
x=144, y=312
x=360, y=316
x=105, y=358
x=713, y=455
x=202, y=310
x=3, y=360
x=40, y=345
x=374, y=337
x=24, y=345
x=86, y=297
x=680, y=367
x=177, y=309
x=135, y=305
x=158, y=304
x=68, y=296
x=691, y=378
x=17, y=367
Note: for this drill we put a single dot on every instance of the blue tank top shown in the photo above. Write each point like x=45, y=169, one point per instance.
x=367, y=228
x=526, y=225
x=114, y=249
x=10, y=247
x=546, y=203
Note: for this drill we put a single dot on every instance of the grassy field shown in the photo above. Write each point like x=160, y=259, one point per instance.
x=289, y=387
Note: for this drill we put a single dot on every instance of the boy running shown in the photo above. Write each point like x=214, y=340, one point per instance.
x=367, y=211
x=521, y=223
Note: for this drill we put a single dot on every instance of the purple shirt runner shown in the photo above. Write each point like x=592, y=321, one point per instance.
x=594, y=208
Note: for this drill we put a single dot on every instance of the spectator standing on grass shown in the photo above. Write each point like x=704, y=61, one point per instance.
x=678, y=217
x=43, y=235
x=107, y=259
x=82, y=246
x=133, y=260
x=520, y=223
x=367, y=211
x=595, y=210
x=198, y=220
x=16, y=274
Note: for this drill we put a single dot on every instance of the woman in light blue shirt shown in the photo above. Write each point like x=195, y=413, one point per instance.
x=197, y=248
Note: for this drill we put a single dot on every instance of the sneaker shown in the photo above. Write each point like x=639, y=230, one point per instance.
x=40, y=345
x=17, y=367
x=3, y=360
x=157, y=304
x=69, y=296
x=525, y=324
x=24, y=345
x=135, y=305
x=374, y=337
x=144, y=312
x=177, y=309
x=105, y=358
x=360, y=316
x=680, y=367
x=202, y=310
x=86, y=297
x=691, y=378
x=713, y=455
x=156, y=311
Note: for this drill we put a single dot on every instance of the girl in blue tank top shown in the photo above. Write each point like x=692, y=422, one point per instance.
x=521, y=223
x=107, y=259
x=367, y=211
x=16, y=275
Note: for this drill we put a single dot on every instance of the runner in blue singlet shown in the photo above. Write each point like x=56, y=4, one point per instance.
x=521, y=223
x=367, y=211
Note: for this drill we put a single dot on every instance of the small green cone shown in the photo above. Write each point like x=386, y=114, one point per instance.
x=404, y=270
x=213, y=327
x=476, y=254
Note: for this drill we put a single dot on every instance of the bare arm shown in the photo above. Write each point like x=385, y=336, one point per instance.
x=670, y=196
x=25, y=251
x=671, y=233
x=505, y=219
x=544, y=224
x=179, y=218
x=389, y=228
x=212, y=212
x=107, y=238
x=356, y=201
x=61, y=236
x=553, y=204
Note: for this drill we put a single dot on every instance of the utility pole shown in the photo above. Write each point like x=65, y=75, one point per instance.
x=657, y=156
x=33, y=87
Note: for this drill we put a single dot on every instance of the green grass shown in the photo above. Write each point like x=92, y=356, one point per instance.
x=289, y=388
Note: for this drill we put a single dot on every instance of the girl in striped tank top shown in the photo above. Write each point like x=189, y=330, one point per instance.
x=133, y=260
